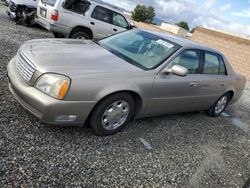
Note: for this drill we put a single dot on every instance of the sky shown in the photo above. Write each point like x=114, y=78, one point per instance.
x=226, y=15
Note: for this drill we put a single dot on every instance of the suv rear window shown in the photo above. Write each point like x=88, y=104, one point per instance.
x=102, y=14
x=78, y=6
x=49, y=2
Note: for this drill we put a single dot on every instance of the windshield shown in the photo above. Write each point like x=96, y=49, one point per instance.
x=140, y=48
x=49, y=2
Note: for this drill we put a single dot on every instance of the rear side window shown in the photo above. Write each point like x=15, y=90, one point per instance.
x=119, y=20
x=214, y=64
x=189, y=59
x=102, y=14
x=78, y=6
x=223, y=70
x=49, y=2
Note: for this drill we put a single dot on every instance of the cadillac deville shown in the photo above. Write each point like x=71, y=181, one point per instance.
x=133, y=74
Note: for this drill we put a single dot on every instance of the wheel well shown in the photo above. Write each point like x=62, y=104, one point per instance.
x=231, y=93
x=136, y=96
x=138, y=101
x=81, y=28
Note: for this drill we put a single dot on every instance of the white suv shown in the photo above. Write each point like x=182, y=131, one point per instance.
x=80, y=18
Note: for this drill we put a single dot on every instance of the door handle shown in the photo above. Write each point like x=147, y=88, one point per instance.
x=193, y=84
x=115, y=30
x=92, y=23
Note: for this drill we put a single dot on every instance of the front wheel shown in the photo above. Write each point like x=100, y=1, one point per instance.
x=219, y=106
x=112, y=114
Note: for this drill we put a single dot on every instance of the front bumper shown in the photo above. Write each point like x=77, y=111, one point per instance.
x=54, y=27
x=43, y=106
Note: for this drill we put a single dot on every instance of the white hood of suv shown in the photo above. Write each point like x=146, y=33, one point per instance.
x=30, y=3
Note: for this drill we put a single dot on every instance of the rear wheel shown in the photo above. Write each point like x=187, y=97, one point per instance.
x=112, y=114
x=219, y=106
x=80, y=35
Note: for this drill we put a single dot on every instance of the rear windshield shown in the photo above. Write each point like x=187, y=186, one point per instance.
x=49, y=2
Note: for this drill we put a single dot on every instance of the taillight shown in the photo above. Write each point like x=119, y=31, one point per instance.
x=54, y=15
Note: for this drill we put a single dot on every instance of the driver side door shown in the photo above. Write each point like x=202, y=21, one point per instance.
x=175, y=94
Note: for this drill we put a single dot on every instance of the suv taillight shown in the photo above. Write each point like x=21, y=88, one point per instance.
x=54, y=15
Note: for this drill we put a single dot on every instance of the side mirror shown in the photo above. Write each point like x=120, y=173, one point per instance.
x=131, y=25
x=177, y=70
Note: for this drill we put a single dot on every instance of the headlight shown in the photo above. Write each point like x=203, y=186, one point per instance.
x=54, y=85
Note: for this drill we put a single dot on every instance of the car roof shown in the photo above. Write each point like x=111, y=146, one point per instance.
x=106, y=5
x=181, y=41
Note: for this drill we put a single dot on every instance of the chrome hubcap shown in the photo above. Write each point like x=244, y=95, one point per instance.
x=115, y=115
x=80, y=37
x=221, y=104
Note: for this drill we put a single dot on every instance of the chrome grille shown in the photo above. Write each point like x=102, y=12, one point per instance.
x=25, y=68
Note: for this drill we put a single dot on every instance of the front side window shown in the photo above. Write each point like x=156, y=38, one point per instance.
x=189, y=59
x=119, y=20
x=102, y=14
x=78, y=6
x=140, y=48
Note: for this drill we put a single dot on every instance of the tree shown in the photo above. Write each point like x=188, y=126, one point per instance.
x=150, y=14
x=142, y=13
x=183, y=25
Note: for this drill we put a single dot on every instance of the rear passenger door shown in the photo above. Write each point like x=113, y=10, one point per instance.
x=214, y=79
x=119, y=23
x=100, y=22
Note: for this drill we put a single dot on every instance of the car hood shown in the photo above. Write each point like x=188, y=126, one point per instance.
x=30, y=3
x=68, y=56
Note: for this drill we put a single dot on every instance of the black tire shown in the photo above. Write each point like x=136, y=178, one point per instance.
x=95, y=120
x=212, y=110
x=80, y=35
x=58, y=35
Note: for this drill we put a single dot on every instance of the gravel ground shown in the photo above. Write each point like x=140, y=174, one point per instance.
x=187, y=150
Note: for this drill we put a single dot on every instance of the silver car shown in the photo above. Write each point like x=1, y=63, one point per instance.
x=133, y=74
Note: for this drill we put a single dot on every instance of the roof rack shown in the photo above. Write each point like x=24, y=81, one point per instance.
x=109, y=5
